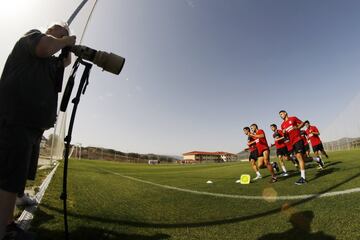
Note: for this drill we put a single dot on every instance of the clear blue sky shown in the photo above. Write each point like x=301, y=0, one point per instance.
x=198, y=71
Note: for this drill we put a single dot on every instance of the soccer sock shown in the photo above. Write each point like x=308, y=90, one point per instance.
x=319, y=161
x=294, y=160
x=258, y=174
x=302, y=172
x=283, y=168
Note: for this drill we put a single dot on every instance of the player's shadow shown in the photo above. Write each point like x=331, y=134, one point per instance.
x=88, y=233
x=329, y=164
x=82, y=233
x=301, y=229
x=324, y=172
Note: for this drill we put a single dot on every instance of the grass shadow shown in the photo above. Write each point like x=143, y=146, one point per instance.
x=324, y=172
x=87, y=233
x=301, y=229
x=328, y=164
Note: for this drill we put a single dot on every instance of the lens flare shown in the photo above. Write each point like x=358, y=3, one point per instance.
x=270, y=194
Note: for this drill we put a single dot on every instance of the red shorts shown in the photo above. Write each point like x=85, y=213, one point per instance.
x=261, y=151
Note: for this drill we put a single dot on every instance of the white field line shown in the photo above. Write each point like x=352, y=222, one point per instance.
x=28, y=214
x=268, y=198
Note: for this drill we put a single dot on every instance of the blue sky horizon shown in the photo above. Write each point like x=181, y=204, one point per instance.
x=198, y=71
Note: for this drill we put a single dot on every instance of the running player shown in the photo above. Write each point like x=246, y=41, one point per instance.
x=306, y=143
x=263, y=149
x=281, y=149
x=292, y=126
x=308, y=158
x=291, y=151
x=313, y=134
x=253, y=153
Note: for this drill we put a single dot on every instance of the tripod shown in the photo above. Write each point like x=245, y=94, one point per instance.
x=64, y=102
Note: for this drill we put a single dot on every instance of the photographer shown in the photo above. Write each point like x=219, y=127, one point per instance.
x=29, y=86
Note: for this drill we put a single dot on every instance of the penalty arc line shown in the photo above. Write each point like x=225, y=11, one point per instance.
x=248, y=197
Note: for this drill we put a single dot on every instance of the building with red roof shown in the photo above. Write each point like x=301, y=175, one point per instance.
x=201, y=156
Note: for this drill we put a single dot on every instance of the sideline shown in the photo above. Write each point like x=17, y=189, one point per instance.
x=28, y=214
x=248, y=197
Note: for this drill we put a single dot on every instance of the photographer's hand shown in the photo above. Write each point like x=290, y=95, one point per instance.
x=69, y=40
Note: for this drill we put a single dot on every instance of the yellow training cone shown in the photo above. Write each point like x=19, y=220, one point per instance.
x=245, y=179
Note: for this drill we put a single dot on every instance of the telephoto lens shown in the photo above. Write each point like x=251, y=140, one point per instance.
x=109, y=62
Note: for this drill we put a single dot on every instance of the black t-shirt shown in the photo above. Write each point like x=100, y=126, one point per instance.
x=29, y=85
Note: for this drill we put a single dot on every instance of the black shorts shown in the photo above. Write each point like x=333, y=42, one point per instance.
x=318, y=147
x=19, y=153
x=299, y=147
x=282, y=152
x=253, y=155
x=307, y=148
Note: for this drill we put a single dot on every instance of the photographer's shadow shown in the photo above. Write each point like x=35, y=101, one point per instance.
x=301, y=223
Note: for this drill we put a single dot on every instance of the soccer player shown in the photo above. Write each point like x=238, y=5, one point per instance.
x=291, y=151
x=253, y=153
x=313, y=134
x=306, y=143
x=263, y=149
x=308, y=158
x=292, y=126
x=281, y=149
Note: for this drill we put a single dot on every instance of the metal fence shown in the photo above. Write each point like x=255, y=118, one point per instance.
x=345, y=144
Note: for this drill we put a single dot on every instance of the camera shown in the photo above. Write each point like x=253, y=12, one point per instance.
x=109, y=62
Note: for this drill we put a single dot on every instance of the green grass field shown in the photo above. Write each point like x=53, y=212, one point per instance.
x=104, y=203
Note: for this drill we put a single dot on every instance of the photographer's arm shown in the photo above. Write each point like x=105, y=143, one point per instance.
x=49, y=45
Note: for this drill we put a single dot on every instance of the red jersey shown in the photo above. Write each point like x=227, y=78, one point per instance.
x=279, y=143
x=314, y=139
x=261, y=143
x=288, y=126
x=288, y=145
x=252, y=147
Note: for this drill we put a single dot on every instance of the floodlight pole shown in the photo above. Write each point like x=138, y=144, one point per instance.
x=81, y=90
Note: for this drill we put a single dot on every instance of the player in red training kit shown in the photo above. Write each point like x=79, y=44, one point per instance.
x=291, y=126
x=306, y=143
x=307, y=150
x=313, y=134
x=281, y=149
x=291, y=151
x=253, y=153
x=263, y=149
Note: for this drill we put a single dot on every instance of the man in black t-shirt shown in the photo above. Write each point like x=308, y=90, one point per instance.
x=29, y=86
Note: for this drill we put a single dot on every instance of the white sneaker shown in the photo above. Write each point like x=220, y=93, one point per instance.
x=257, y=177
x=26, y=200
x=285, y=174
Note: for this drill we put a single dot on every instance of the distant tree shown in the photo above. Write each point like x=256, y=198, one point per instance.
x=120, y=153
x=134, y=155
x=153, y=156
x=144, y=157
x=163, y=158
